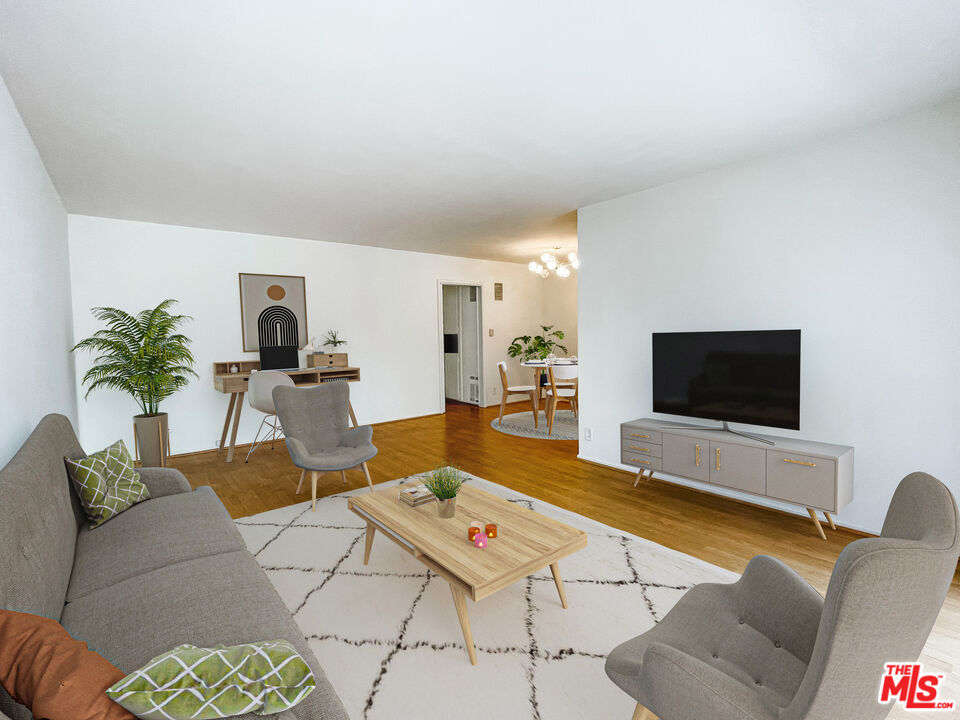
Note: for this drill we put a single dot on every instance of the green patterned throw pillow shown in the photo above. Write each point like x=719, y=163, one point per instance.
x=107, y=483
x=201, y=683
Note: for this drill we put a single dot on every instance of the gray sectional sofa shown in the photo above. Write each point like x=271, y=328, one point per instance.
x=168, y=571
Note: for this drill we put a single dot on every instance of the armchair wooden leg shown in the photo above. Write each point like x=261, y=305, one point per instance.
x=313, y=481
x=367, y=473
x=344, y=476
x=641, y=713
x=300, y=484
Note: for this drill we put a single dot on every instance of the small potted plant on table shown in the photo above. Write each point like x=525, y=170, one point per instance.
x=445, y=482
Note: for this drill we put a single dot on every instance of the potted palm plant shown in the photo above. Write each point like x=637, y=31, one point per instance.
x=145, y=356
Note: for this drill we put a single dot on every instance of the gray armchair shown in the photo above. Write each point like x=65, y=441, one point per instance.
x=769, y=647
x=314, y=421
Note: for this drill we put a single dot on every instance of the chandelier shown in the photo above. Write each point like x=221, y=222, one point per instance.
x=548, y=262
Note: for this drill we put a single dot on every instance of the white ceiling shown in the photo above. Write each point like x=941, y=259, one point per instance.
x=468, y=128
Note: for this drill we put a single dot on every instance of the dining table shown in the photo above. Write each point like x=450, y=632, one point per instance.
x=538, y=366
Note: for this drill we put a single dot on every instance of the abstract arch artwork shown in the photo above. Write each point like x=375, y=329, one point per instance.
x=273, y=310
x=277, y=326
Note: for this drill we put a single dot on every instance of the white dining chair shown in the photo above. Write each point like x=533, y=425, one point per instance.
x=508, y=389
x=260, y=396
x=558, y=393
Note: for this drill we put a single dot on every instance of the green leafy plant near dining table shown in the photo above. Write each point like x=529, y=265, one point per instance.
x=537, y=347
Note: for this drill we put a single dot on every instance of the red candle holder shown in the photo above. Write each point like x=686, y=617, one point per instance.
x=472, y=532
x=491, y=530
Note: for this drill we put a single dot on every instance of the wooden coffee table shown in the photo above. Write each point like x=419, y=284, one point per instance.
x=526, y=542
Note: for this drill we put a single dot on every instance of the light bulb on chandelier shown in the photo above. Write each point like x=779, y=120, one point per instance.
x=549, y=261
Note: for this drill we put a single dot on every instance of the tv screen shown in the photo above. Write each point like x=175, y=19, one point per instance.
x=744, y=376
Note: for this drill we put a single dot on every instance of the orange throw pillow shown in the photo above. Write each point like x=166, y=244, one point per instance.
x=55, y=676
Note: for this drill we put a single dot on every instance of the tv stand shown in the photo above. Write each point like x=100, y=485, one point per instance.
x=726, y=428
x=816, y=476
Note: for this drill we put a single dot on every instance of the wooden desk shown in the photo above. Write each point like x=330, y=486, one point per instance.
x=235, y=385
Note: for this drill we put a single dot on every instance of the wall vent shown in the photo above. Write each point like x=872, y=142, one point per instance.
x=498, y=291
x=473, y=293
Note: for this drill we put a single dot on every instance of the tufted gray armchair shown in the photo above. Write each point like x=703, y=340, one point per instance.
x=319, y=440
x=769, y=647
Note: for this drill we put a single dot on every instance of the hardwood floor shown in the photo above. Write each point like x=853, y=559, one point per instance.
x=720, y=531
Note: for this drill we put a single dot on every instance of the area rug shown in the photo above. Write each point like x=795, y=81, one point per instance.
x=388, y=638
x=521, y=424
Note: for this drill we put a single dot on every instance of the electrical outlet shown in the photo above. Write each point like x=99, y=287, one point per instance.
x=588, y=434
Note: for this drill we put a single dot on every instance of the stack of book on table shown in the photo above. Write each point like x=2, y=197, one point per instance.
x=416, y=495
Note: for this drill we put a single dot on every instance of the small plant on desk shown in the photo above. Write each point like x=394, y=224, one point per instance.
x=333, y=340
x=445, y=482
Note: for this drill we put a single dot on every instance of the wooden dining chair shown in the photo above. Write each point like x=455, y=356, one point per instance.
x=508, y=389
x=557, y=394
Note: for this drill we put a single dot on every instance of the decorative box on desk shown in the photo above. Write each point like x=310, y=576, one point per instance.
x=818, y=476
x=235, y=384
x=327, y=360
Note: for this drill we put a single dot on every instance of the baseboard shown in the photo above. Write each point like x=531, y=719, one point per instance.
x=705, y=491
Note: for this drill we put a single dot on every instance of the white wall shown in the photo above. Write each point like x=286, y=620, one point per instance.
x=855, y=240
x=384, y=302
x=36, y=372
x=560, y=308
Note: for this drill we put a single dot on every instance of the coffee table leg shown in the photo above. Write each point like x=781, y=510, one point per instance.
x=368, y=543
x=555, y=569
x=460, y=603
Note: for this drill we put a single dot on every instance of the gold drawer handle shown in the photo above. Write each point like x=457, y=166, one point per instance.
x=642, y=462
x=718, y=458
x=698, y=456
x=799, y=462
x=645, y=437
x=641, y=449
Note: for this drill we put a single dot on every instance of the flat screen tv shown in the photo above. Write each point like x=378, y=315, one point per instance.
x=743, y=376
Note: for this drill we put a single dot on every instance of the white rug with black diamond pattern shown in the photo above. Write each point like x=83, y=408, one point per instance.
x=387, y=634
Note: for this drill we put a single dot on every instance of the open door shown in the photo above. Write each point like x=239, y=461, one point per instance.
x=460, y=314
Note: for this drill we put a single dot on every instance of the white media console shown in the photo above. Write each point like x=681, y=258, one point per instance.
x=818, y=476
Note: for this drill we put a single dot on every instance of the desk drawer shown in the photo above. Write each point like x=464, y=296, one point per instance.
x=640, y=447
x=809, y=481
x=644, y=462
x=641, y=434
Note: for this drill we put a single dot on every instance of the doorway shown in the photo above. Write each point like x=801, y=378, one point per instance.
x=461, y=343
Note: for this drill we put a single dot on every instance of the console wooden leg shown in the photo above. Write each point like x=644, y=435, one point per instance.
x=816, y=521
x=368, y=542
x=460, y=603
x=641, y=713
x=555, y=569
x=830, y=520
